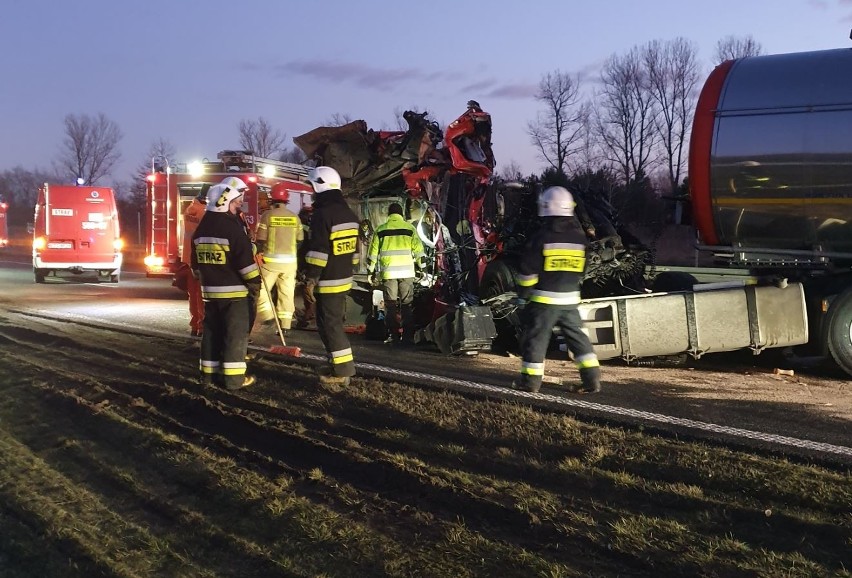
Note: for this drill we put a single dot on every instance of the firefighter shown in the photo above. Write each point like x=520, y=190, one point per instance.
x=279, y=233
x=330, y=258
x=551, y=270
x=308, y=314
x=224, y=262
x=191, y=217
x=239, y=184
x=393, y=260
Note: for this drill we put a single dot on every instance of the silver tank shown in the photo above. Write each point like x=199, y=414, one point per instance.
x=779, y=153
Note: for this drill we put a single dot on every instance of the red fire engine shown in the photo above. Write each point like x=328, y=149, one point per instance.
x=171, y=189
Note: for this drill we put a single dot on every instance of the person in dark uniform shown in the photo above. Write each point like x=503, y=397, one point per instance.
x=332, y=253
x=551, y=270
x=223, y=259
x=308, y=314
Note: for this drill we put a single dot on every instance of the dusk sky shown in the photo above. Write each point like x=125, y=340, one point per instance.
x=189, y=71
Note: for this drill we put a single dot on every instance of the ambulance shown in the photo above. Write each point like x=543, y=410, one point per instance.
x=75, y=230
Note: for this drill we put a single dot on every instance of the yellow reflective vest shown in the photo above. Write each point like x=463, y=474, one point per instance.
x=394, y=249
x=279, y=232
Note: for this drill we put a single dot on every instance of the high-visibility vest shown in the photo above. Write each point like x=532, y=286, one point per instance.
x=394, y=249
x=281, y=230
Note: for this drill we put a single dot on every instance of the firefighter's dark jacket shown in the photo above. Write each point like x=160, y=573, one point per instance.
x=333, y=244
x=552, y=264
x=223, y=257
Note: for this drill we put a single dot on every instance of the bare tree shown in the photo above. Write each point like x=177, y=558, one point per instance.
x=162, y=153
x=673, y=77
x=511, y=171
x=260, y=138
x=626, y=114
x=558, y=129
x=338, y=119
x=731, y=47
x=20, y=187
x=90, y=148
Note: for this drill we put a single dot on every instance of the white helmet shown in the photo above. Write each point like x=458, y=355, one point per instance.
x=323, y=179
x=219, y=197
x=235, y=183
x=555, y=202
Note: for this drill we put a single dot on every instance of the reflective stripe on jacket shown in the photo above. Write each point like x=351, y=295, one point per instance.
x=280, y=231
x=394, y=249
x=222, y=254
x=332, y=249
x=553, y=262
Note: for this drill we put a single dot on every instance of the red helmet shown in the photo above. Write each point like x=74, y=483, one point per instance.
x=280, y=193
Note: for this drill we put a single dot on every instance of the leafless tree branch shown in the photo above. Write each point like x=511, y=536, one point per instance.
x=90, y=148
x=559, y=128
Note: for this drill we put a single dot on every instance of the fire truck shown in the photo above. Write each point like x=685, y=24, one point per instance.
x=170, y=189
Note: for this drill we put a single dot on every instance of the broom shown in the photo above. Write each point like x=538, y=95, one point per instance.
x=283, y=349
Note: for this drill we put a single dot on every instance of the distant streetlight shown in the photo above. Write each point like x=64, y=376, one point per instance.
x=81, y=181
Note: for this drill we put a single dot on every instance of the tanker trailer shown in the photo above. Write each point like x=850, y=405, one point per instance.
x=770, y=174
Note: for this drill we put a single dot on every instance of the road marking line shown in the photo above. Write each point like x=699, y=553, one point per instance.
x=394, y=373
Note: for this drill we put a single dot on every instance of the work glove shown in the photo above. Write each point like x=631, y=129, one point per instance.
x=375, y=280
x=309, y=296
x=258, y=258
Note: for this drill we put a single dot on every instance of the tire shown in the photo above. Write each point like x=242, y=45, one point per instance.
x=839, y=333
x=39, y=275
x=497, y=279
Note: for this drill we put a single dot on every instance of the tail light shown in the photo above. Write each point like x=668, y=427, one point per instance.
x=39, y=243
x=153, y=261
x=118, y=244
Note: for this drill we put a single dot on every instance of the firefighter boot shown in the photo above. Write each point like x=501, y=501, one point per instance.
x=524, y=384
x=247, y=381
x=327, y=377
x=210, y=380
x=590, y=380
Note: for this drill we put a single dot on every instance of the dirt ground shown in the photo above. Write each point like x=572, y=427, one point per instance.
x=117, y=463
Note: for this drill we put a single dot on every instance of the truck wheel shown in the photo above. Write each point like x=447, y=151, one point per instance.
x=497, y=279
x=839, y=335
x=39, y=275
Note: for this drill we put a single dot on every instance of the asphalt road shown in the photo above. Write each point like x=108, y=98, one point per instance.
x=737, y=400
